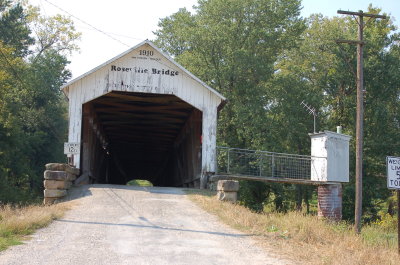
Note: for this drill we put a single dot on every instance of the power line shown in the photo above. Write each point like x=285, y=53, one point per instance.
x=86, y=23
x=103, y=32
x=42, y=7
x=124, y=36
x=115, y=34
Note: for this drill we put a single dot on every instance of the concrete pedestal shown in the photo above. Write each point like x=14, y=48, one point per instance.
x=227, y=190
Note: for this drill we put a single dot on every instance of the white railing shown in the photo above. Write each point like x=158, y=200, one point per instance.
x=244, y=162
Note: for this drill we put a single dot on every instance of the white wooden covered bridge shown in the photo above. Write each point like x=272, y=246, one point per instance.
x=142, y=115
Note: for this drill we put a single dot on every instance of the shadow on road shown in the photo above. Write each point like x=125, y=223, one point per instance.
x=156, y=227
x=84, y=190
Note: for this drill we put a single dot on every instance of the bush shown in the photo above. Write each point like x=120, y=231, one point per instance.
x=139, y=182
x=386, y=222
x=253, y=194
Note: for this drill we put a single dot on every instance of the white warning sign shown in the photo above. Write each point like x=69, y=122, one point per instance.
x=393, y=172
x=72, y=148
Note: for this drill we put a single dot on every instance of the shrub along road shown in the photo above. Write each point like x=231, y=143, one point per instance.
x=112, y=224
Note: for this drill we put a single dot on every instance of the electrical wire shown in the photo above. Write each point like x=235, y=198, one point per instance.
x=103, y=32
x=86, y=23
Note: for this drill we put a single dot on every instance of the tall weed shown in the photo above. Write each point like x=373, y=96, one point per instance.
x=19, y=221
x=305, y=238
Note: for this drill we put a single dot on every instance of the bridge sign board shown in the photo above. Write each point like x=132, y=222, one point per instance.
x=72, y=148
x=393, y=172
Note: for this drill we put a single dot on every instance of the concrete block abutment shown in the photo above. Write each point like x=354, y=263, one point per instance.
x=227, y=190
x=58, y=178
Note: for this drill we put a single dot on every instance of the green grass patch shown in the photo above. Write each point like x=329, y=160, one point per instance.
x=140, y=183
x=376, y=236
x=207, y=193
x=8, y=241
x=17, y=222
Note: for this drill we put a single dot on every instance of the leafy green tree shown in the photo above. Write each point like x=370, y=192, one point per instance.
x=12, y=167
x=327, y=70
x=55, y=33
x=234, y=46
x=32, y=108
x=14, y=29
x=266, y=60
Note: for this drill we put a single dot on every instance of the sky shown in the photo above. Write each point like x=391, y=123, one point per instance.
x=126, y=23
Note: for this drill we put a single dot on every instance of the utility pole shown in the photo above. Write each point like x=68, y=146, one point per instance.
x=360, y=108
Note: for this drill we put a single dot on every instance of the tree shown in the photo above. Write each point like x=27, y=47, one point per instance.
x=327, y=70
x=32, y=108
x=233, y=46
x=55, y=33
x=14, y=29
x=266, y=60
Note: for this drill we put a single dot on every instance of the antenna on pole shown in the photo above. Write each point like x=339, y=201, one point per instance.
x=311, y=110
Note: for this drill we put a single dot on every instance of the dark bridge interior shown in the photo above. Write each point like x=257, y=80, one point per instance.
x=128, y=135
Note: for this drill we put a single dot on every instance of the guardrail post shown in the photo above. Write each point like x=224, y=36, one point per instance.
x=261, y=165
x=228, y=165
x=272, y=165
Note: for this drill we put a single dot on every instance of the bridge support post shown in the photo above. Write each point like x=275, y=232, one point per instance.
x=330, y=201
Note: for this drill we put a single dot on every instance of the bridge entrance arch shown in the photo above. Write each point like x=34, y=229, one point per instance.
x=142, y=115
x=146, y=136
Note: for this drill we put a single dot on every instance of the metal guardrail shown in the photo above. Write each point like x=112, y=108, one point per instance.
x=244, y=162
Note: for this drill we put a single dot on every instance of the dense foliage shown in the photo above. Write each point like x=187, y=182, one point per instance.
x=33, y=64
x=266, y=60
x=261, y=54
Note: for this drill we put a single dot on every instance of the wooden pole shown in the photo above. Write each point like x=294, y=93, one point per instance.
x=398, y=221
x=359, y=126
x=360, y=111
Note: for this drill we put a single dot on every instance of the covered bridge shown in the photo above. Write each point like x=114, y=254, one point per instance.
x=141, y=115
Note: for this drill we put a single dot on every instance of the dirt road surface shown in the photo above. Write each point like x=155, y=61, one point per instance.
x=112, y=224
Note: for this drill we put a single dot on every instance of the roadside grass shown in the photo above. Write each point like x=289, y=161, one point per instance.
x=18, y=222
x=139, y=182
x=305, y=238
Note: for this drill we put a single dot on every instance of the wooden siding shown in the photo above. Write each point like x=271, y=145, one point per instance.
x=136, y=73
x=187, y=152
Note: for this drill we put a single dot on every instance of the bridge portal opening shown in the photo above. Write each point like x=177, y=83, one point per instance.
x=130, y=135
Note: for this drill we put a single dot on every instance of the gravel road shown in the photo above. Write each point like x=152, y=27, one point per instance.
x=113, y=224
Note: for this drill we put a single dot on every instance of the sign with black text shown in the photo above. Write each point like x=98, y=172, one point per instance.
x=72, y=148
x=393, y=172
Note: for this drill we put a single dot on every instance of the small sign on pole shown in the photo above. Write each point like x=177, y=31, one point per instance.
x=393, y=172
x=393, y=182
x=72, y=148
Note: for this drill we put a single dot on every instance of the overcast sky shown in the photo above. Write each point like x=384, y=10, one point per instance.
x=132, y=21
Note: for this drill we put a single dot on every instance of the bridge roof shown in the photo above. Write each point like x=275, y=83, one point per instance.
x=63, y=87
